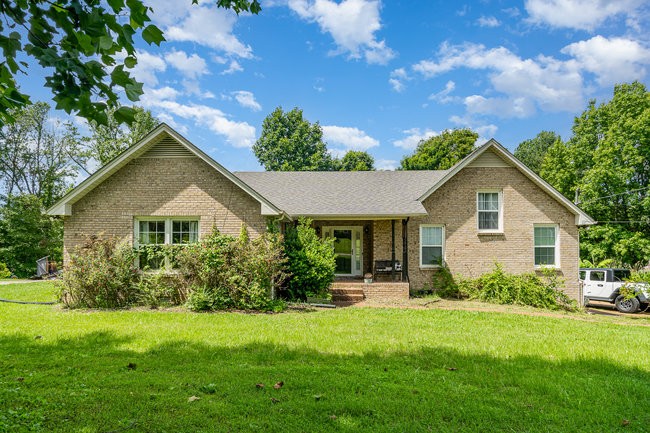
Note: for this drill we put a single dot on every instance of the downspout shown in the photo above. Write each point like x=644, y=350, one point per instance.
x=392, y=252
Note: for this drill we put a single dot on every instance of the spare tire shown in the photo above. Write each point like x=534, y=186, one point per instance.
x=627, y=305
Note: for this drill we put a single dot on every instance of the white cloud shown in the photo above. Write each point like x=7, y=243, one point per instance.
x=348, y=138
x=191, y=67
x=443, y=95
x=612, y=60
x=488, y=22
x=351, y=23
x=550, y=84
x=232, y=68
x=397, y=78
x=413, y=137
x=578, y=14
x=386, y=164
x=502, y=107
x=209, y=26
x=238, y=134
x=247, y=100
x=147, y=67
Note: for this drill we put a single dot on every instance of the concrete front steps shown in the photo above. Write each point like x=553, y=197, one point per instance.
x=346, y=293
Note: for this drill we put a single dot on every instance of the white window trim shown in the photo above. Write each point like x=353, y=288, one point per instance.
x=168, y=231
x=428, y=265
x=557, y=246
x=499, y=230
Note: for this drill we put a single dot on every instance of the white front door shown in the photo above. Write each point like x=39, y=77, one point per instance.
x=348, y=246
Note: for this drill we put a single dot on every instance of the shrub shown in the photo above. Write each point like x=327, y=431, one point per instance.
x=503, y=288
x=4, y=271
x=227, y=272
x=160, y=289
x=100, y=274
x=311, y=261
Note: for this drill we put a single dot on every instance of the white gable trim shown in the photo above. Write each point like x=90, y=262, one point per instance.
x=64, y=205
x=582, y=219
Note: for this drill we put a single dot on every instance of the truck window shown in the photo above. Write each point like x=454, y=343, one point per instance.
x=621, y=274
x=597, y=276
x=582, y=275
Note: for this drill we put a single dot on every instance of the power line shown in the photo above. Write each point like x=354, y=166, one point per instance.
x=615, y=195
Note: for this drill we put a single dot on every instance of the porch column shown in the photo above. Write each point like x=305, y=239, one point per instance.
x=405, y=250
x=392, y=249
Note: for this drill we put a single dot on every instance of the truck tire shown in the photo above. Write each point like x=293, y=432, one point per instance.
x=626, y=305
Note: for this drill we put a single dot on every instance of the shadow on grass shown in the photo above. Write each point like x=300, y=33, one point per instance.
x=95, y=384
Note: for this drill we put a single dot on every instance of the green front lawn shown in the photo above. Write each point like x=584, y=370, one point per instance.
x=354, y=369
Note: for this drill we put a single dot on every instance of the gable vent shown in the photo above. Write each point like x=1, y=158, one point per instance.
x=168, y=148
x=488, y=159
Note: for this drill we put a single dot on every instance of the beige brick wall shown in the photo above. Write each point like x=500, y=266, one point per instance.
x=469, y=253
x=382, y=240
x=162, y=187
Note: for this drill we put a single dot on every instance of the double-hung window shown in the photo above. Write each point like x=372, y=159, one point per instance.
x=153, y=234
x=432, y=242
x=546, y=245
x=489, y=211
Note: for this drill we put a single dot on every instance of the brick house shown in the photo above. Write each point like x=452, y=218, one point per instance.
x=488, y=208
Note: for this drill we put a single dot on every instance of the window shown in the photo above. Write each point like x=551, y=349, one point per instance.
x=597, y=276
x=432, y=239
x=489, y=211
x=151, y=234
x=546, y=250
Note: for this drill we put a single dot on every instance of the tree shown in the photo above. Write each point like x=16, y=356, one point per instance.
x=108, y=141
x=531, y=152
x=38, y=155
x=82, y=43
x=291, y=143
x=357, y=160
x=26, y=234
x=606, y=162
x=441, y=151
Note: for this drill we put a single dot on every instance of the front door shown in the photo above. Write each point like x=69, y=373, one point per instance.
x=348, y=246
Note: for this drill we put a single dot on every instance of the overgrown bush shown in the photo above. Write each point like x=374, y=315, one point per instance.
x=100, y=274
x=4, y=271
x=311, y=261
x=227, y=272
x=157, y=289
x=501, y=287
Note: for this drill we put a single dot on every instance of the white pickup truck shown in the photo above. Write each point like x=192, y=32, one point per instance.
x=604, y=284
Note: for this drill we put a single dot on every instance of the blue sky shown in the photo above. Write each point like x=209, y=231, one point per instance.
x=380, y=76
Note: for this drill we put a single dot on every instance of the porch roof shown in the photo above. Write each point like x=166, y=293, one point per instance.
x=355, y=194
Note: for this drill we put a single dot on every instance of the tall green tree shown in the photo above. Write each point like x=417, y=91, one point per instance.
x=81, y=44
x=27, y=234
x=108, y=141
x=606, y=162
x=356, y=160
x=531, y=152
x=289, y=142
x=442, y=151
x=38, y=155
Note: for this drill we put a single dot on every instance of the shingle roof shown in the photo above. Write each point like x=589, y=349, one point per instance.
x=339, y=194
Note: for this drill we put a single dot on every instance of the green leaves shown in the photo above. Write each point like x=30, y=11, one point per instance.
x=78, y=41
x=606, y=161
x=442, y=151
x=291, y=143
x=152, y=35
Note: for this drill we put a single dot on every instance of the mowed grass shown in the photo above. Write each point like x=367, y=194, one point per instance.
x=354, y=369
